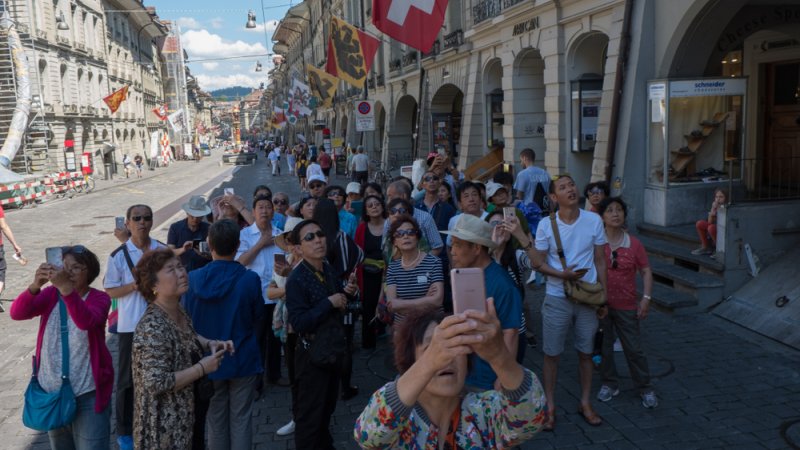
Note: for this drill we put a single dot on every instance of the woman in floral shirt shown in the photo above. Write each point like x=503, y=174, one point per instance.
x=426, y=408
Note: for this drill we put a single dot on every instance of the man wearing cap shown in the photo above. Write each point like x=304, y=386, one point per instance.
x=360, y=166
x=471, y=244
x=184, y=235
x=498, y=197
x=354, y=202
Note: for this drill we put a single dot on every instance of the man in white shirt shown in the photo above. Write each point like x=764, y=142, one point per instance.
x=360, y=166
x=582, y=239
x=119, y=284
x=257, y=252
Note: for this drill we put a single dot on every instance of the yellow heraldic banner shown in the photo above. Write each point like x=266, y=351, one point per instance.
x=350, y=52
x=114, y=100
x=323, y=85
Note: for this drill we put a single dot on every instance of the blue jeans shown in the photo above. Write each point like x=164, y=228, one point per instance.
x=89, y=430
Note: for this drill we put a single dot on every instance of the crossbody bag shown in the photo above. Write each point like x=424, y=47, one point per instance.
x=578, y=291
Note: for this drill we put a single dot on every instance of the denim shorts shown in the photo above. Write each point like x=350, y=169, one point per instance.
x=558, y=315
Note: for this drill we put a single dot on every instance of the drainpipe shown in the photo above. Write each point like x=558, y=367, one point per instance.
x=619, y=79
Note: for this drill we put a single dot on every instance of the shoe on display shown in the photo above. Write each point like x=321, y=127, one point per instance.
x=617, y=345
x=286, y=429
x=125, y=442
x=649, y=400
x=606, y=393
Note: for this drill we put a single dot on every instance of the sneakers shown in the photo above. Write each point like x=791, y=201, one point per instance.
x=649, y=400
x=617, y=345
x=606, y=393
x=286, y=429
x=702, y=251
x=125, y=442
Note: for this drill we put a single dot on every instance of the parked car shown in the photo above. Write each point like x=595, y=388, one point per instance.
x=237, y=157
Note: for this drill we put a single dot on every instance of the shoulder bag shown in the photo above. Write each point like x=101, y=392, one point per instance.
x=579, y=291
x=45, y=411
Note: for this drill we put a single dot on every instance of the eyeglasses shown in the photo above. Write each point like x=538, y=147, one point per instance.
x=394, y=211
x=280, y=202
x=614, y=259
x=430, y=178
x=335, y=194
x=140, y=218
x=595, y=191
x=495, y=223
x=312, y=234
x=373, y=205
x=401, y=233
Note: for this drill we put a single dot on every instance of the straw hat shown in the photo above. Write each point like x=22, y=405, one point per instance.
x=196, y=206
x=282, y=240
x=472, y=229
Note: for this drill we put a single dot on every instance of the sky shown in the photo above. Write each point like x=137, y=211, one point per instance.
x=214, y=29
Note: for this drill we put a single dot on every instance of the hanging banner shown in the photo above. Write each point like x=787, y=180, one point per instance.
x=115, y=100
x=323, y=85
x=301, y=102
x=176, y=120
x=412, y=22
x=350, y=52
x=365, y=115
x=161, y=112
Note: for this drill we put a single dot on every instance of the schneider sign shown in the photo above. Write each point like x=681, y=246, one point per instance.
x=708, y=87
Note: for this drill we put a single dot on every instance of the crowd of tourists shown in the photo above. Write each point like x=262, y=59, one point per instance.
x=247, y=285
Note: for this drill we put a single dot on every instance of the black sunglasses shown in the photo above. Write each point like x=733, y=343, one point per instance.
x=312, y=234
x=614, y=259
x=401, y=233
x=280, y=202
x=335, y=194
x=397, y=211
x=140, y=218
x=430, y=178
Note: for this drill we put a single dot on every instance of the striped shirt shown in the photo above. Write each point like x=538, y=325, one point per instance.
x=414, y=283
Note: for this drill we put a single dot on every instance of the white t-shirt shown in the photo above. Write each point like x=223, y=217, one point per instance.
x=265, y=259
x=578, y=241
x=131, y=307
x=360, y=162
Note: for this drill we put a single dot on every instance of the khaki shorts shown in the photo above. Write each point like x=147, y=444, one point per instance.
x=558, y=316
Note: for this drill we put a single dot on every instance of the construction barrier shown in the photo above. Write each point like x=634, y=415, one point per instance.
x=49, y=184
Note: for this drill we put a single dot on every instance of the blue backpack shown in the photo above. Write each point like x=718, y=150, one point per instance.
x=533, y=214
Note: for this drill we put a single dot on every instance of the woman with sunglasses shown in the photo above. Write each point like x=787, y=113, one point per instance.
x=369, y=237
x=595, y=193
x=315, y=300
x=91, y=372
x=625, y=256
x=414, y=282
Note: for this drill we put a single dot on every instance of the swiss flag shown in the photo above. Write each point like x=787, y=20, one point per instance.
x=412, y=22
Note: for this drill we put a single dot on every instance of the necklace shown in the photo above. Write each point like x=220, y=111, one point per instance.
x=619, y=241
x=412, y=263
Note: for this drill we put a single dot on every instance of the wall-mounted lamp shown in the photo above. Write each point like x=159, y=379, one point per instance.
x=251, y=19
x=61, y=22
x=445, y=73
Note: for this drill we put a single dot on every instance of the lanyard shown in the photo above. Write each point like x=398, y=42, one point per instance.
x=320, y=277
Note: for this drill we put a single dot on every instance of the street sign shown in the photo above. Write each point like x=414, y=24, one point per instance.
x=365, y=115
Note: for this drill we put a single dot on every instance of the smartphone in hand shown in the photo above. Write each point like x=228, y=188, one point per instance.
x=203, y=247
x=279, y=258
x=228, y=191
x=54, y=257
x=508, y=212
x=119, y=222
x=469, y=290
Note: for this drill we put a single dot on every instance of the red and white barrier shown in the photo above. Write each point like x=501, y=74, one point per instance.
x=76, y=179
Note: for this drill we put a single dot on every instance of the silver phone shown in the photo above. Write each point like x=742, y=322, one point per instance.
x=54, y=256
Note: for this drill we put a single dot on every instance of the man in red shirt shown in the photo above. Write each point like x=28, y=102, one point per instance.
x=5, y=229
x=325, y=162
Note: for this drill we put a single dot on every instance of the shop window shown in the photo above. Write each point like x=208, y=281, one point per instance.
x=587, y=91
x=494, y=104
x=695, y=129
x=732, y=64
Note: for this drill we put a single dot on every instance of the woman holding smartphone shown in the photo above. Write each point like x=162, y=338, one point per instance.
x=414, y=282
x=91, y=372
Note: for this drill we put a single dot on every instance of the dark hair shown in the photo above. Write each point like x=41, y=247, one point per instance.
x=302, y=203
x=375, y=186
x=146, y=272
x=599, y=184
x=334, y=187
x=528, y=153
x=294, y=235
x=131, y=208
x=400, y=185
x=468, y=185
x=504, y=178
x=313, y=159
x=364, y=215
x=327, y=217
x=403, y=219
x=261, y=187
x=552, y=188
x=262, y=198
x=409, y=334
x=508, y=259
x=601, y=209
x=450, y=199
x=405, y=203
x=223, y=237
x=84, y=257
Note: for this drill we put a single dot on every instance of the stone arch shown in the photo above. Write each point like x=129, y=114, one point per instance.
x=446, y=115
x=493, y=99
x=401, y=136
x=375, y=140
x=525, y=122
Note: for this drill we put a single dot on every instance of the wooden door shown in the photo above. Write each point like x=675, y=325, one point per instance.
x=781, y=168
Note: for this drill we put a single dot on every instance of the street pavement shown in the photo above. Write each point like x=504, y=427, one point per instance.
x=719, y=385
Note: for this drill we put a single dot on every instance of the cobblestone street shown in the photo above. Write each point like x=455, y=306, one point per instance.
x=719, y=385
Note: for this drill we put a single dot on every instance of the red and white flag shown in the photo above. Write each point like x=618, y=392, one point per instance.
x=161, y=111
x=412, y=22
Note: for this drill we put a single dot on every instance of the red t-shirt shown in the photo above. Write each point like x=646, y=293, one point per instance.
x=622, y=280
x=325, y=160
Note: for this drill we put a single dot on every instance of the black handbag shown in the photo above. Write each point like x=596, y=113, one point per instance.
x=203, y=387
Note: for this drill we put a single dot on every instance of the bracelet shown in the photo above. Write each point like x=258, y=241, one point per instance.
x=528, y=247
x=646, y=297
x=202, y=368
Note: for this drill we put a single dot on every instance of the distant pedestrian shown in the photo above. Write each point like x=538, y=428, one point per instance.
x=84, y=310
x=5, y=229
x=127, y=165
x=325, y=162
x=291, y=158
x=314, y=169
x=532, y=182
x=302, y=171
x=360, y=166
x=139, y=162
x=625, y=257
x=275, y=160
x=119, y=283
x=225, y=303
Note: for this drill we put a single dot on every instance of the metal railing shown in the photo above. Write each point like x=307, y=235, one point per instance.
x=488, y=9
x=410, y=58
x=395, y=65
x=434, y=50
x=773, y=178
x=454, y=39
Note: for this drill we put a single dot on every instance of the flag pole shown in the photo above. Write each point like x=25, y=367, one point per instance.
x=366, y=80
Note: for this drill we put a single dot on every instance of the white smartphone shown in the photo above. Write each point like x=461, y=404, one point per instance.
x=229, y=191
x=203, y=247
x=120, y=222
x=54, y=257
x=508, y=212
x=469, y=290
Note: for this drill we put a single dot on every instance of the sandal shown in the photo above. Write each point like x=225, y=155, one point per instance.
x=549, y=423
x=590, y=416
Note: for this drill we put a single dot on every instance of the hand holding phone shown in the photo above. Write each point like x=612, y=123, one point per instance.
x=54, y=257
x=119, y=223
x=508, y=212
x=228, y=191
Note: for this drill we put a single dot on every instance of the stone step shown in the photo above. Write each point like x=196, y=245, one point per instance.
x=670, y=300
x=681, y=256
x=684, y=235
x=686, y=277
